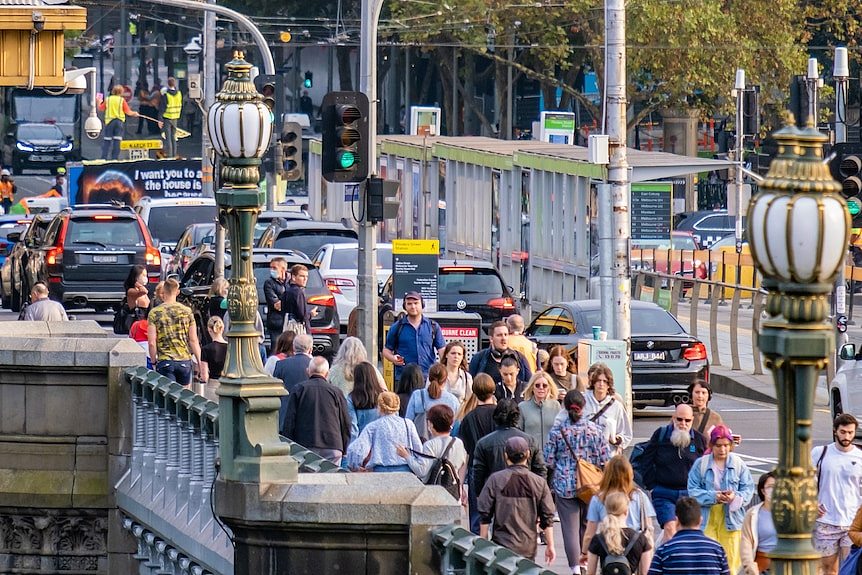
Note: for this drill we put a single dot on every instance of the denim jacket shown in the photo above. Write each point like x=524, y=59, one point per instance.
x=737, y=477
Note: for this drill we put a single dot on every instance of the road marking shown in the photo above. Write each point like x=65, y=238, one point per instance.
x=747, y=410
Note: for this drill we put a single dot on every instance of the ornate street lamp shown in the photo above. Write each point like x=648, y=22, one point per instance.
x=798, y=227
x=239, y=127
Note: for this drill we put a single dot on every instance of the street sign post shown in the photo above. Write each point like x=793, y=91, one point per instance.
x=415, y=268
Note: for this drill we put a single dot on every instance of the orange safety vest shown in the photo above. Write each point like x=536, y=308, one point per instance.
x=6, y=190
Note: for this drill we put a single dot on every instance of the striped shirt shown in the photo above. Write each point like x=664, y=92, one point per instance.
x=689, y=552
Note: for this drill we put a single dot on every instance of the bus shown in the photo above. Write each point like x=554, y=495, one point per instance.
x=38, y=106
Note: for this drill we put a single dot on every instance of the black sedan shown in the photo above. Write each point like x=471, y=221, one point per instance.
x=200, y=273
x=665, y=359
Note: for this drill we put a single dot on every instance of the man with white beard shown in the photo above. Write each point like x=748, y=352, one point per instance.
x=667, y=459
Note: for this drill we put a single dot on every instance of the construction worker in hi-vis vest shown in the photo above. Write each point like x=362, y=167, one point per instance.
x=172, y=107
x=116, y=109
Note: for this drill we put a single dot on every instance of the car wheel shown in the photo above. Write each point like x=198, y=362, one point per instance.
x=837, y=408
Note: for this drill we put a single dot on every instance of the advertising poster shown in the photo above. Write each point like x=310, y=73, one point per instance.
x=414, y=268
x=102, y=182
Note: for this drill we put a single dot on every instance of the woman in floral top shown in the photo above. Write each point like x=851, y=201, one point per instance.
x=570, y=439
x=376, y=448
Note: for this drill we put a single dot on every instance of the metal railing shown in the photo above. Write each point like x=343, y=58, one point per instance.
x=462, y=553
x=166, y=494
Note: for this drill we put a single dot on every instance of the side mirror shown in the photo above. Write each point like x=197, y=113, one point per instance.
x=187, y=252
x=848, y=351
x=187, y=292
x=13, y=236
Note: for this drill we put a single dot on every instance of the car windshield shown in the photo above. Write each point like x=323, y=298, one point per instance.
x=674, y=243
x=167, y=223
x=120, y=232
x=39, y=132
x=309, y=241
x=44, y=109
x=473, y=285
x=649, y=321
x=347, y=259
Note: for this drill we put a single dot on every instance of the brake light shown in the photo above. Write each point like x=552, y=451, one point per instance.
x=457, y=269
x=324, y=300
x=103, y=217
x=335, y=284
x=696, y=351
x=502, y=303
x=54, y=256
x=154, y=257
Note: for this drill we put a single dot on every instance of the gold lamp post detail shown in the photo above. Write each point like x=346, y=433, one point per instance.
x=798, y=227
x=240, y=127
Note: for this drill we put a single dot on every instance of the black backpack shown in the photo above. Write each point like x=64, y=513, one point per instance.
x=618, y=564
x=443, y=473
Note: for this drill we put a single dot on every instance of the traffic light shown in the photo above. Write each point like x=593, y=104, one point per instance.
x=345, y=137
x=846, y=167
x=309, y=80
x=271, y=87
x=751, y=111
x=382, y=199
x=291, y=152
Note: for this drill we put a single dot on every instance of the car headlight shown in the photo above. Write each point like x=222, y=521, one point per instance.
x=24, y=147
x=67, y=147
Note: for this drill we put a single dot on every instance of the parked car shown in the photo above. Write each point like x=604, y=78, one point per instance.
x=12, y=278
x=188, y=246
x=338, y=266
x=845, y=394
x=10, y=225
x=38, y=146
x=665, y=359
x=167, y=218
x=708, y=227
x=468, y=286
x=305, y=236
x=200, y=274
x=87, y=253
x=267, y=217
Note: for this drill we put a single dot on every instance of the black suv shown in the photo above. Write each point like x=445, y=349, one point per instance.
x=304, y=236
x=200, y=273
x=87, y=253
x=467, y=286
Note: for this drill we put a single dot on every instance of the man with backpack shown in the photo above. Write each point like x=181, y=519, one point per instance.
x=413, y=338
x=665, y=462
x=515, y=499
x=443, y=459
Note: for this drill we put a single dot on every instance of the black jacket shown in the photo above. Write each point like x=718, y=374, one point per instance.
x=317, y=416
x=490, y=456
x=482, y=362
x=273, y=291
x=476, y=425
x=293, y=303
x=668, y=465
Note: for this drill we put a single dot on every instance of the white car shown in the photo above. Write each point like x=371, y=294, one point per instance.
x=845, y=391
x=338, y=265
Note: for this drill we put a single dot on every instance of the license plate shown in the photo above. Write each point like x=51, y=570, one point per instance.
x=43, y=158
x=648, y=356
x=105, y=259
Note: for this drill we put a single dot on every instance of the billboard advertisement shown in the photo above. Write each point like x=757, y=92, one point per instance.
x=129, y=181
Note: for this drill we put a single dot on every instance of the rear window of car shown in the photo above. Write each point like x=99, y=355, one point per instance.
x=348, y=259
x=459, y=284
x=309, y=241
x=644, y=322
x=122, y=232
x=167, y=223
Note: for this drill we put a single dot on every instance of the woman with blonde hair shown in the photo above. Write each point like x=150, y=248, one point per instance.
x=350, y=354
x=540, y=407
x=458, y=379
x=618, y=478
x=218, y=297
x=376, y=448
x=213, y=354
x=614, y=538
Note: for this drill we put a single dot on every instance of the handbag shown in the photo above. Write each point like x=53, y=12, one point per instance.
x=121, y=319
x=589, y=476
x=291, y=324
x=851, y=565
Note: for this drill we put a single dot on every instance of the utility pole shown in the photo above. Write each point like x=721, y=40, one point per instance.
x=208, y=169
x=739, y=92
x=618, y=178
x=841, y=73
x=366, y=276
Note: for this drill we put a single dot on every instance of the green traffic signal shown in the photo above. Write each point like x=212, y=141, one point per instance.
x=346, y=159
x=853, y=206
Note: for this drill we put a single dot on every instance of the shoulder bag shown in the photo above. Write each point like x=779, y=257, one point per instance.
x=589, y=476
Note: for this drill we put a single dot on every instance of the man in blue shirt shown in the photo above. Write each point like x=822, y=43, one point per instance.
x=414, y=338
x=689, y=552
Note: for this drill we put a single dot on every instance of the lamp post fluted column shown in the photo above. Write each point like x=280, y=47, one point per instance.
x=798, y=228
x=240, y=126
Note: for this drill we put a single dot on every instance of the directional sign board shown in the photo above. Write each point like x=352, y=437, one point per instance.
x=415, y=268
x=651, y=210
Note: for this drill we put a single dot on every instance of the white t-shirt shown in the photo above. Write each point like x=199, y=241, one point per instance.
x=840, y=484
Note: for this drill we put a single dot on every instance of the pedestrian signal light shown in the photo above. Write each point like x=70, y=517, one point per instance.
x=345, y=137
x=308, y=82
x=291, y=151
x=285, y=36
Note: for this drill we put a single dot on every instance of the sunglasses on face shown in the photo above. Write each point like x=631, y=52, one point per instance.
x=683, y=419
x=540, y=385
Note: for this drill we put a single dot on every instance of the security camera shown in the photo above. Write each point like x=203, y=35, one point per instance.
x=93, y=127
x=193, y=48
x=38, y=21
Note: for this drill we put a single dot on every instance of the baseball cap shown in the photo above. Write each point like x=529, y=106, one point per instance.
x=5, y=173
x=517, y=448
x=413, y=295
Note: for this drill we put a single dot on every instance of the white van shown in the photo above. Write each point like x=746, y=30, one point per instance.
x=168, y=218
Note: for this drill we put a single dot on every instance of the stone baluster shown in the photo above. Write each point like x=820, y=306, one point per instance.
x=160, y=460
x=198, y=447
x=184, y=474
x=148, y=470
x=139, y=438
x=172, y=467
